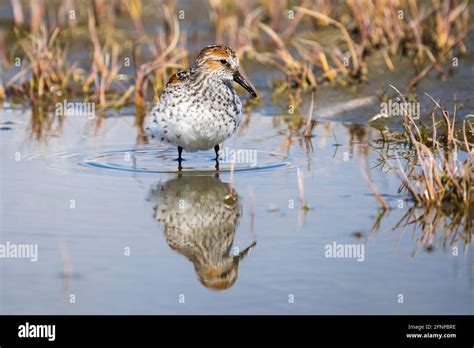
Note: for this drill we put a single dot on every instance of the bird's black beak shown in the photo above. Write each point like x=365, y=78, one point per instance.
x=244, y=83
x=244, y=252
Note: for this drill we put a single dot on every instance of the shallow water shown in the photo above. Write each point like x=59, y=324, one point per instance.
x=119, y=229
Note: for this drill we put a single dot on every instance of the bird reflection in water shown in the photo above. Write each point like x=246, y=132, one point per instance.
x=199, y=216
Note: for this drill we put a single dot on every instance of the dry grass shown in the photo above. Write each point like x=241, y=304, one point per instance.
x=303, y=204
x=428, y=33
x=377, y=194
x=437, y=176
x=169, y=54
x=44, y=70
x=313, y=42
x=432, y=227
x=436, y=166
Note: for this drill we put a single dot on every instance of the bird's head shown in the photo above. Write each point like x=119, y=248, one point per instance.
x=223, y=275
x=221, y=61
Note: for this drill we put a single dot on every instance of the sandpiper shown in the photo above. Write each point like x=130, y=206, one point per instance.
x=199, y=223
x=199, y=107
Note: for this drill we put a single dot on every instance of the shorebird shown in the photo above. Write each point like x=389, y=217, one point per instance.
x=199, y=223
x=199, y=107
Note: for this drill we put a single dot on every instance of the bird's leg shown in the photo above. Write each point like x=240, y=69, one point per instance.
x=216, y=149
x=180, y=159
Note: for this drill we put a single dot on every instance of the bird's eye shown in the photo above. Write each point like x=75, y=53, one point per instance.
x=223, y=61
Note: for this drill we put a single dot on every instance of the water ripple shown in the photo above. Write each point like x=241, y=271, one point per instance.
x=152, y=160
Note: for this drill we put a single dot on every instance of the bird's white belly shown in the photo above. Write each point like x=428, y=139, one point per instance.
x=196, y=127
x=198, y=131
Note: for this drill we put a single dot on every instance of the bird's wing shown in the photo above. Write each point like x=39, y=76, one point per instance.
x=178, y=78
x=156, y=122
